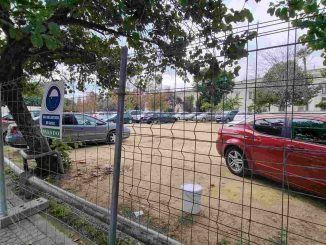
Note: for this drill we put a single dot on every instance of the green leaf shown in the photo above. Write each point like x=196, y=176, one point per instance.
x=54, y=29
x=250, y=17
x=51, y=43
x=271, y=11
x=183, y=2
x=27, y=29
x=136, y=36
x=283, y=13
x=12, y=33
x=39, y=28
x=37, y=40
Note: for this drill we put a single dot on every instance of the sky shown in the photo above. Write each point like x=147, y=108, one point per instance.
x=259, y=11
x=279, y=37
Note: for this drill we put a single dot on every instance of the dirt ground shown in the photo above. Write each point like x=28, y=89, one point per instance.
x=158, y=159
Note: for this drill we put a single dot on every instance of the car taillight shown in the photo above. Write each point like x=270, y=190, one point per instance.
x=13, y=130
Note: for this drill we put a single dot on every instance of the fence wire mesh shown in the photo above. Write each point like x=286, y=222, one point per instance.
x=249, y=150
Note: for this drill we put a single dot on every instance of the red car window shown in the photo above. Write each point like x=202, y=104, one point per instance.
x=270, y=126
x=307, y=130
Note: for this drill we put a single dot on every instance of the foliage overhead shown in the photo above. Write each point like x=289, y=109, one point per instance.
x=86, y=36
x=305, y=14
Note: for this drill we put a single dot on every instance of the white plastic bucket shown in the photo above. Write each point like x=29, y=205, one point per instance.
x=191, y=196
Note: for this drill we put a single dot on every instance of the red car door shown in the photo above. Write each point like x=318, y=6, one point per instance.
x=306, y=155
x=267, y=150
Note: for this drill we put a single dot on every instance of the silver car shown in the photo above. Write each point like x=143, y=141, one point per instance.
x=205, y=116
x=75, y=128
x=181, y=115
x=192, y=116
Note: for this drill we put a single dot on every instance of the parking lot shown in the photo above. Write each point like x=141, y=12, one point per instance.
x=157, y=159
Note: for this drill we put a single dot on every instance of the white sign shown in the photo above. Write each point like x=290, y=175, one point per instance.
x=51, y=111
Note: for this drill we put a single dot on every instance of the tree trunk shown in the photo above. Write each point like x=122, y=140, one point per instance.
x=12, y=61
x=37, y=144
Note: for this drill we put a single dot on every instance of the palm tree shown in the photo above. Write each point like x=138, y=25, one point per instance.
x=303, y=54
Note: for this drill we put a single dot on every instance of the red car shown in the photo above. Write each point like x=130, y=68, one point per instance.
x=289, y=149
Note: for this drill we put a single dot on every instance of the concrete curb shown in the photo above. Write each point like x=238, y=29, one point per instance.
x=133, y=229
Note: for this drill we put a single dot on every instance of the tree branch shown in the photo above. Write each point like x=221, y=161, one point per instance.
x=5, y=20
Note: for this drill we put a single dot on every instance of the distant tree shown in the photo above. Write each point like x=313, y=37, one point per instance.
x=285, y=83
x=303, y=53
x=262, y=101
x=188, y=104
x=212, y=87
x=157, y=101
x=322, y=105
x=226, y=104
x=178, y=100
x=132, y=101
x=69, y=105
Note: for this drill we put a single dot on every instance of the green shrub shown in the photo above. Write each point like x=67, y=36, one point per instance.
x=63, y=148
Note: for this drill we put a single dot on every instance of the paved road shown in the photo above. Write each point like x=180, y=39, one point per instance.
x=31, y=230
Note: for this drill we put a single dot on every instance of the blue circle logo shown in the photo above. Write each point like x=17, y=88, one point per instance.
x=53, y=98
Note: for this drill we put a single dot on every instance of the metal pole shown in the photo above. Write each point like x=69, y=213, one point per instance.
x=3, y=200
x=118, y=143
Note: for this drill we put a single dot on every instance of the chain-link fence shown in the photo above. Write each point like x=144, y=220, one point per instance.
x=214, y=159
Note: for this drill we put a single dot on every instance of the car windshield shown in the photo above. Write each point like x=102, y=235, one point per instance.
x=112, y=116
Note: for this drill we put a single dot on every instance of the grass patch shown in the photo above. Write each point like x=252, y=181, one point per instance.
x=81, y=224
x=280, y=239
x=224, y=241
x=186, y=219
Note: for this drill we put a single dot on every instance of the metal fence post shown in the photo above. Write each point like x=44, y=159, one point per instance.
x=3, y=201
x=118, y=146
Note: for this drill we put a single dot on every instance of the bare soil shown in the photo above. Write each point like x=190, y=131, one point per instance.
x=158, y=159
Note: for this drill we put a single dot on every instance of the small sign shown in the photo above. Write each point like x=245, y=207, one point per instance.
x=51, y=111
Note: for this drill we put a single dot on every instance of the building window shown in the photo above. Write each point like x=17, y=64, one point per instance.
x=323, y=90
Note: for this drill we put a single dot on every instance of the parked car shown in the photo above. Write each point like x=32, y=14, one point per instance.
x=134, y=113
x=226, y=116
x=192, y=115
x=285, y=149
x=137, y=118
x=200, y=117
x=206, y=116
x=157, y=117
x=8, y=119
x=76, y=127
x=181, y=115
x=241, y=116
x=171, y=114
x=126, y=118
x=102, y=115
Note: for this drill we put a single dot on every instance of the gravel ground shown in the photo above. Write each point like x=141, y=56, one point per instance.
x=158, y=159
